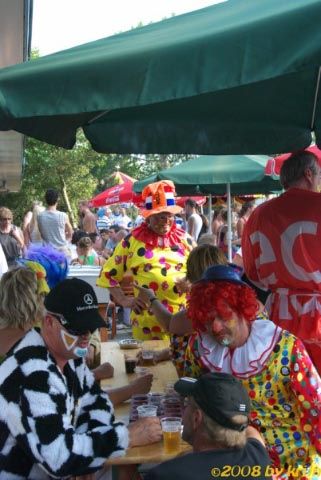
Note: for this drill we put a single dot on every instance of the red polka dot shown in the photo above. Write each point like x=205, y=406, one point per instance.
x=271, y=401
x=153, y=286
x=252, y=394
x=156, y=328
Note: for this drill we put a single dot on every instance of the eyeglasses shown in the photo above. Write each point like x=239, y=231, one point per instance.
x=64, y=323
x=2, y=219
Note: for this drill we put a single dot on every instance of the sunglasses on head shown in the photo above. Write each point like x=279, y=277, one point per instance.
x=64, y=323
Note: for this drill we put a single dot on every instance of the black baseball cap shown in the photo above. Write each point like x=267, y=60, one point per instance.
x=76, y=301
x=220, y=395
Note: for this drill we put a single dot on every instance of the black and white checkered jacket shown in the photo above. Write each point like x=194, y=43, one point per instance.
x=53, y=425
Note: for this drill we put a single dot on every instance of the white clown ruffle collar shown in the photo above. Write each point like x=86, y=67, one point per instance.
x=245, y=361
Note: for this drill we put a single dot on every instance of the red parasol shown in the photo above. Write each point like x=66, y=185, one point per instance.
x=121, y=193
x=274, y=165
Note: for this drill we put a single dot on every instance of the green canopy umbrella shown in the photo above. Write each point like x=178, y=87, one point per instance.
x=219, y=175
x=211, y=173
x=237, y=77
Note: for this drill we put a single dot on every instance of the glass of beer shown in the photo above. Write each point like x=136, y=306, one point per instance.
x=171, y=427
x=147, y=358
x=130, y=364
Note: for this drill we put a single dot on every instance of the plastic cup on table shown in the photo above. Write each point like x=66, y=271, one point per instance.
x=147, y=411
x=171, y=428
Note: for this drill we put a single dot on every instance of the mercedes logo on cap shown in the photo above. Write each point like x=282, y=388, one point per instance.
x=88, y=299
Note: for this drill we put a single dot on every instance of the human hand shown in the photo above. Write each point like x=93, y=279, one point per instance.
x=90, y=357
x=105, y=370
x=183, y=285
x=142, y=384
x=136, y=304
x=145, y=294
x=144, y=431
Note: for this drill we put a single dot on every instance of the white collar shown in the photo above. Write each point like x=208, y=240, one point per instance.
x=244, y=361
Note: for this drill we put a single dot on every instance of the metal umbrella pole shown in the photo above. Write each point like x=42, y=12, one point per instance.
x=229, y=222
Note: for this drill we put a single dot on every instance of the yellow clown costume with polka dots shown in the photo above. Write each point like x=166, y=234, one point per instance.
x=157, y=268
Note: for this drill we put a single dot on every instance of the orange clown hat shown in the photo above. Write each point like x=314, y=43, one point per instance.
x=159, y=197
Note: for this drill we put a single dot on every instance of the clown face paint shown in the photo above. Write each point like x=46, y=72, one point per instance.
x=229, y=333
x=70, y=341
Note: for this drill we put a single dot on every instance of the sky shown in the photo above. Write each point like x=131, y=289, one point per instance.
x=61, y=24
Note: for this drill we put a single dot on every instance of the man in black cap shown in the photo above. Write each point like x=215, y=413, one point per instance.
x=215, y=423
x=55, y=421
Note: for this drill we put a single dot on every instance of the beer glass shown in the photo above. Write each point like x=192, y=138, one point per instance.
x=171, y=427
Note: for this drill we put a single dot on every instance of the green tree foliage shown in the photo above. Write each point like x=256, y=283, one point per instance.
x=77, y=174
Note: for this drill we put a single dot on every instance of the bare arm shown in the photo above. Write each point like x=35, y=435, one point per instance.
x=252, y=432
x=177, y=323
x=141, y=385
x=135, y=304
x=68, y=229
x=191, y=226
x=17, y=234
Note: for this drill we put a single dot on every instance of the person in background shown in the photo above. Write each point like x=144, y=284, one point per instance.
x=87, y=218
x=3, y=262
x=155, y=255
x=55, y=420
x=281, y=251
x=194, y=220
x=138, y=220
x=207, y=239
x=11, y=237
x=205, y=225
x=27, y=219
x=216, y=424
x=54, y=226
x=245, y=212
x=97, y=241
x=31, y=233
x=232, y=334
x=217, y=221
x=76, y=236
x=222, y=235
x=112, y=240
x=86, y=253
x=103, y=218
x=121, y=218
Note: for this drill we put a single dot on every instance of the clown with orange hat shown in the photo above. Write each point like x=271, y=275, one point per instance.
x=155, y=254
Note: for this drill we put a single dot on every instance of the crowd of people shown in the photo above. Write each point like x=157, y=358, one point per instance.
x=244, y=336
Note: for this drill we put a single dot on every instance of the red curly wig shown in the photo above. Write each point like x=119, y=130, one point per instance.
x=210, y=299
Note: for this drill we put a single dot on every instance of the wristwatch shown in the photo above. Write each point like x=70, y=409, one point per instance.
x=152, y=299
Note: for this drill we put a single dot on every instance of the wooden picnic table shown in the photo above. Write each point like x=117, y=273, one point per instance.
x=164, y=373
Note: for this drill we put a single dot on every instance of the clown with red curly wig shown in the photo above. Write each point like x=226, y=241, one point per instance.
x=233, y=335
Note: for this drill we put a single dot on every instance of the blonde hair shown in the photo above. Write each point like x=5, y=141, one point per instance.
x=202, y=257
x=226, y=437
x=19, y=302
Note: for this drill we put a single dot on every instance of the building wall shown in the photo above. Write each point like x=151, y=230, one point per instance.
x=15, y=40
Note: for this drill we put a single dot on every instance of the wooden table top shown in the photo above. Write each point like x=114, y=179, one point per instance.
x=164, y=373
